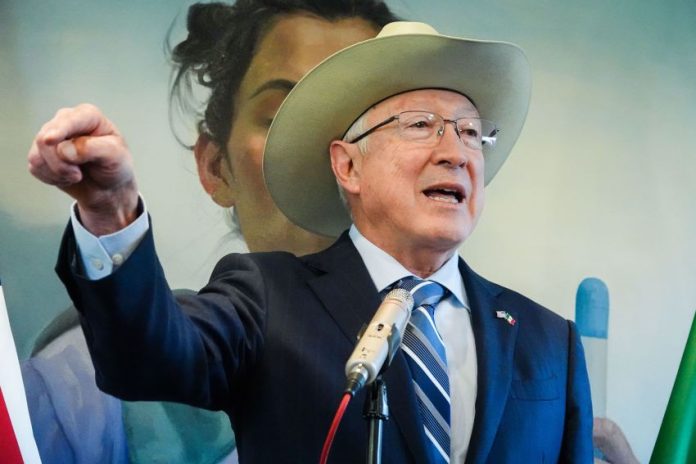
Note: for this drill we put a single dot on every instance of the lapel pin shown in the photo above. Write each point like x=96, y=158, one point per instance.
x=505, y=315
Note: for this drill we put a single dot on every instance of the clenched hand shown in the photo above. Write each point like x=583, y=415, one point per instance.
x=82, y=153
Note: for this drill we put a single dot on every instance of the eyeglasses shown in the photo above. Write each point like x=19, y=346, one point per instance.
x=427, y=128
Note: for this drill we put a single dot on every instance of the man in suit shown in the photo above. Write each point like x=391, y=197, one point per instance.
x=403, y=124
x=249, y=54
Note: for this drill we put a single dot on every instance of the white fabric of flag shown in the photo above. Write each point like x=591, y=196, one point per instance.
x=12, y=393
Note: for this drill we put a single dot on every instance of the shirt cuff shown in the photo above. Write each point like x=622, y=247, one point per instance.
x=102, y=255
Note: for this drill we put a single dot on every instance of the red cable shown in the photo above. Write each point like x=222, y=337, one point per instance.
x=334, y=426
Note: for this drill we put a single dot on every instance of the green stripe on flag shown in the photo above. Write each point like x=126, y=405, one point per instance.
x=676, y=442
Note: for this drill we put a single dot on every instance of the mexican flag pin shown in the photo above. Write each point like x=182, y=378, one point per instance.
x=505, y=315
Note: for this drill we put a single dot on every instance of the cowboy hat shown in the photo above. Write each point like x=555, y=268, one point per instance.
x=404, y=56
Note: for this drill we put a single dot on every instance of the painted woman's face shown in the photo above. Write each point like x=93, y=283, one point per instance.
x=291, y=47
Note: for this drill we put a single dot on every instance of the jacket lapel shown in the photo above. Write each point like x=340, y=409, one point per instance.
x=495, y=343
x=344, y=287
x=346, y=290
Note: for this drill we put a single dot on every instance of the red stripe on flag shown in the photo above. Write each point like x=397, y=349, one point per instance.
x=9, y=448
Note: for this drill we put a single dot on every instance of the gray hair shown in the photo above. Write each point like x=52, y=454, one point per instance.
x=355, y=130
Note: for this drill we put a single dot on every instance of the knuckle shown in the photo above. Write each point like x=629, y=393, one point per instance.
x=41, y=138
x=88, y=108
x=41, y=173
x=63, y=172
x=33, y=150
x=43, y=131
x=34, y=159
x=62, y=112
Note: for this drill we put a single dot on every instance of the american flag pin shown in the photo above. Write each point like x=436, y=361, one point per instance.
x=505, y=315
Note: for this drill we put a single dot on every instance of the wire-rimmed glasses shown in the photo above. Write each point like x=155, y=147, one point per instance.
x=427, y=127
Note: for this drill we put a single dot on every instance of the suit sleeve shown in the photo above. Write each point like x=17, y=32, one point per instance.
x=146, y=344
x=577, y=436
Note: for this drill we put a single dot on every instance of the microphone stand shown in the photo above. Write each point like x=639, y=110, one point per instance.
x=376, y=411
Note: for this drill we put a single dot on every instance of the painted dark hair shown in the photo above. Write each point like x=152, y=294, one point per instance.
x=222, y=40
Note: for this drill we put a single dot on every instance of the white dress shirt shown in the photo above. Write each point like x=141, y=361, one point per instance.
x=453, y=322
x=103, y=255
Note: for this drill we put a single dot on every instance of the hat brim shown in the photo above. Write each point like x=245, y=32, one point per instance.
x=322, y=106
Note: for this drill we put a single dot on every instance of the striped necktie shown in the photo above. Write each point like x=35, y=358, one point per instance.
x=425, y=353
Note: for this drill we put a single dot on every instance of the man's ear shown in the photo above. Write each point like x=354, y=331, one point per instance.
x=213, y=171
x=346, y=163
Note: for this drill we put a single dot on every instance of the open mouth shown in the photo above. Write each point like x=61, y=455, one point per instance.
x=446, y=195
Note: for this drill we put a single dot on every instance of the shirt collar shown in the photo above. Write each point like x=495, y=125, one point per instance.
x=385, y=270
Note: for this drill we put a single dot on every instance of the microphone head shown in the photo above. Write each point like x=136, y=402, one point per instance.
x=592, y=308
x=401, y=296
x=380, y=339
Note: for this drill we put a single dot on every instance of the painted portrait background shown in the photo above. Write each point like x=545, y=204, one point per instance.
x=602, y=182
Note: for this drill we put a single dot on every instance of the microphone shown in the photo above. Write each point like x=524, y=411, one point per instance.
x=379, y=340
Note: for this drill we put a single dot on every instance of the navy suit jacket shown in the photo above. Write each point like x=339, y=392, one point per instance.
x=266, y=341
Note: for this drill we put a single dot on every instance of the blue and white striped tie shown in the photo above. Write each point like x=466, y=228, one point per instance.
x=425, y=353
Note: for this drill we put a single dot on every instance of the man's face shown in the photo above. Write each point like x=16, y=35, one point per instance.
x=289, y=49
x=403, y=190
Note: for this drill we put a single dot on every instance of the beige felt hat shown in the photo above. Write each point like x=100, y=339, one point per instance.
x=404, y=56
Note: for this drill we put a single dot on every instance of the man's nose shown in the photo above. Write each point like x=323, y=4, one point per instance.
x=450, y=148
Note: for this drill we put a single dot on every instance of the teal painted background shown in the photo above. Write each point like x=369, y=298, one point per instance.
x=601, y=183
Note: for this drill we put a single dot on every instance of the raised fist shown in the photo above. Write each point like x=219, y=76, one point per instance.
x=82, y=153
